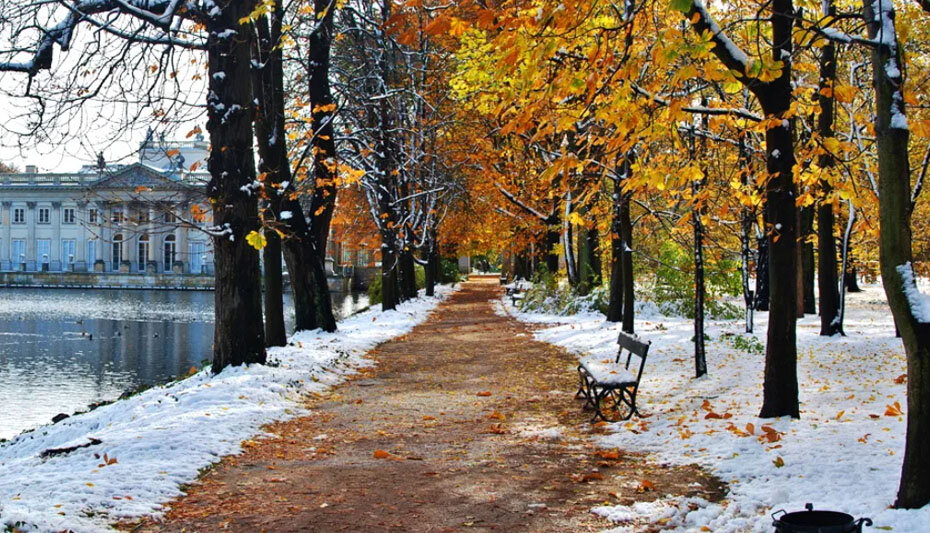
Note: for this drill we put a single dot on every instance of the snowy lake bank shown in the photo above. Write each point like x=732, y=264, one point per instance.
x=63, y=349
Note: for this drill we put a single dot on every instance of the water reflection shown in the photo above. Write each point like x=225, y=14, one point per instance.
x=61, y=350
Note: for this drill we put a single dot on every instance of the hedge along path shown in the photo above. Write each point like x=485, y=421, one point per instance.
x=465, y=424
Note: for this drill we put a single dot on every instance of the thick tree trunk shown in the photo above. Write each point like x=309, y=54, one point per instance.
x=780, y=387
x=389, y=296
x=430, y=269
x=895, y=208
x=238, y=334
x=275, y=332
x=407, y=274
x=827, y=280
x=589, y=261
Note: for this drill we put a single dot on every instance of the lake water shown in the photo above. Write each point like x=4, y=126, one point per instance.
x=63, y=349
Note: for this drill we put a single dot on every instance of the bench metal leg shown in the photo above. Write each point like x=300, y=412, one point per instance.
x=622, y=400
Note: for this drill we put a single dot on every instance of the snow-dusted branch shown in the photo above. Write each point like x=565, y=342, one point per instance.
x=724, y=48
x=702, y=110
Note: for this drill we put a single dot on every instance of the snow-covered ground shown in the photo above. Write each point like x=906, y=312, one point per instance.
x=153, y=443
x=843, y=454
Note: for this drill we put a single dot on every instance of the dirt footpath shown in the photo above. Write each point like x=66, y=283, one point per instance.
x=465, y=424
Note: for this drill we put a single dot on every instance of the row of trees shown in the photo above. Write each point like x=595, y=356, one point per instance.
x=769, y=133
x=724, y=131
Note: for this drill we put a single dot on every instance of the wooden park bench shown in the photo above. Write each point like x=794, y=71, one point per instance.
x=516, y=290
x=610, y=385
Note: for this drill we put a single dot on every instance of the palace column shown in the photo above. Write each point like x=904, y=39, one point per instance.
x=126, y=242
x=181, y=238
x=104, y=234
x=55, y=252
x=80, y=249
x=6, y=220
x=31, y=234
x=150, y=231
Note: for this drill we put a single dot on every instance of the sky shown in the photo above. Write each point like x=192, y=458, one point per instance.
x=134, y=90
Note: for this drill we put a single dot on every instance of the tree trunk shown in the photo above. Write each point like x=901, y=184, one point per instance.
x=807, y=262
x=407, y=274
x=697, y=226
x=626, y=234
x=827, y=280
x=762, y=274
x=844, y=261
x=323, y=200
x=746, y=223
x=312, y=305
x=589, y=261
x=430, y=269
x=553, y=236
x=389, y=296
x=615, y=303
x=780, y=387
x=275, y=332
x=895, y=208
x=851, y=276
x=521, y=265
x=700, y=361
x=266, y=88
x=238, y=334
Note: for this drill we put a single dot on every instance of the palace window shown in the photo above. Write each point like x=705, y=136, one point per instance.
x=92, y=215
x=19, y=215
x=171, y=252
x=68, y=251
x=68, y=215
x=45, y=215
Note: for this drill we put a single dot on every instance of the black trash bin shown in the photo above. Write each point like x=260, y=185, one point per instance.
x=811, y=521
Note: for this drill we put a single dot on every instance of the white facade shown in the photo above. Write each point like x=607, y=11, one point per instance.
x=129, y=218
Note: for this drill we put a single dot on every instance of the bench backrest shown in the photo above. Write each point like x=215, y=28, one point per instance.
x=633, y=346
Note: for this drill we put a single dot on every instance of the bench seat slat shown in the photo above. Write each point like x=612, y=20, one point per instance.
x=608, y=373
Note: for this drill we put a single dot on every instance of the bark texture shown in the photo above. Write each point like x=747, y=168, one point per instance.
x=239, y=334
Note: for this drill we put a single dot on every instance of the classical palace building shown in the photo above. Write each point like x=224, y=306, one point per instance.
x=143, y=217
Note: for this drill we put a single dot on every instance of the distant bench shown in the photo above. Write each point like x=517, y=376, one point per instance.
x=516, y=290
x=609, y=385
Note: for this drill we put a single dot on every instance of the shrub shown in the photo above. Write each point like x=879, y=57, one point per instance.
x=374, y=289
x=547, y=295
x=449, y=271
x=673, y=285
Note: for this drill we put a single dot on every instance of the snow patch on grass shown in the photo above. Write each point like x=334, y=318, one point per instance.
x=844, y=453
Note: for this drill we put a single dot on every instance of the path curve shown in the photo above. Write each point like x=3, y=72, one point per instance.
x=418, y=444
